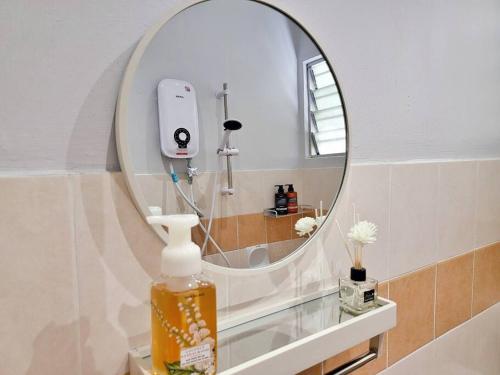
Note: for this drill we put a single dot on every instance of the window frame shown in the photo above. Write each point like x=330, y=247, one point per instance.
x=308, y=123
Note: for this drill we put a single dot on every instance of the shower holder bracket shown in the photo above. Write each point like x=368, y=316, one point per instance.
x=228, y=191
x=228, y=152
x=222, y=93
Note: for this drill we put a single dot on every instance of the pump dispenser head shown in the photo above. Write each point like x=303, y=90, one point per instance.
x=280, y=188
x=181, y=257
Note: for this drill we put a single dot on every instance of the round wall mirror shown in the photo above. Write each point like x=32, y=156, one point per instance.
x=230, y=110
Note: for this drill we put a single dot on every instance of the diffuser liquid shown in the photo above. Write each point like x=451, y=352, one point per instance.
x=184, y=327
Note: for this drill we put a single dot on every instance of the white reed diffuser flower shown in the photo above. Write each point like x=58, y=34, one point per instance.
x=361, y=234
x=306, y=225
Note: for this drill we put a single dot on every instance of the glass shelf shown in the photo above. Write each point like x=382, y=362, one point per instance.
x=292, y=339
x=301, y=209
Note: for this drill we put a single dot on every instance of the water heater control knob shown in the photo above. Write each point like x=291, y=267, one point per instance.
x=182, y=137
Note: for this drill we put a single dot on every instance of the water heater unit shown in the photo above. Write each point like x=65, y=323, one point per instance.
x=178, y=119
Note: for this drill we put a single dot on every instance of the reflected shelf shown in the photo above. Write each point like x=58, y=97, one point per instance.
x=302, y=209
x=293, y=339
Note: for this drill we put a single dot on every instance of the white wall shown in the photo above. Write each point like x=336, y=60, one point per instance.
x=250, y=46
x=239, y=42
x=420, y=79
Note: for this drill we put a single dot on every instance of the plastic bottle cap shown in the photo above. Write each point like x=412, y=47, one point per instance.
x=280, y=188
x=181, y=257
x=358, y=274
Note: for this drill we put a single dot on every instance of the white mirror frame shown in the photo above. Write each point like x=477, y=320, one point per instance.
x=121, y=129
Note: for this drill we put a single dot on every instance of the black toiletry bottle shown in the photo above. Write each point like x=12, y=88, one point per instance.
x=280, y=201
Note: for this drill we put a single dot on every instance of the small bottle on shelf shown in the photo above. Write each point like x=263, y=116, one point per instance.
x=280, y=201
x=291, y=195
x=357, y=293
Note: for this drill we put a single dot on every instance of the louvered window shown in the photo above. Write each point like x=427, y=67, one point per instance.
x=323, y=109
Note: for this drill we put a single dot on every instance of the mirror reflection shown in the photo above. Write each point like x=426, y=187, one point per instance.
x=235, y=114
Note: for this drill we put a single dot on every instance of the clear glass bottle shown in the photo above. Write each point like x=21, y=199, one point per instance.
x=357, y=293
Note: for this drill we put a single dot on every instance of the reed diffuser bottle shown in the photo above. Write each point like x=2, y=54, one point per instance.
x=357, y=292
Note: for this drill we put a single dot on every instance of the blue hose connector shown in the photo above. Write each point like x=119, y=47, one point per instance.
x=175, y=179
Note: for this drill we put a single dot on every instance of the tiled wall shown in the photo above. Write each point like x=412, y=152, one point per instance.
x=431, y=302
x=255, y=189
x=276, y=233
x=77, y=260
x=237, y=232
x=470, y=348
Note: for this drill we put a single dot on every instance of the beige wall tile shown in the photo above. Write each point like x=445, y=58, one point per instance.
x=369, y=192
x=471, y=348
x=202, y=190
x=278, y=228
x=320, y=184
x=454, y=292
x=154, y=188
x=225, y=232
x=337, y=262
x=456, y=208
x=414, y=295
x=251, y=230
x=488, y=204
x=310, y=267
x=250, y=293
x=38, y=291
x=175, y=204
x=228, y=204
x=420, y=362
x=251, y=192
x=486, y=285
x=413, y=217
x=279, y=250
x=118, y=255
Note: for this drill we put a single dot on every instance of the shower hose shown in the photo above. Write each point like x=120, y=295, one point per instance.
x=191, y=202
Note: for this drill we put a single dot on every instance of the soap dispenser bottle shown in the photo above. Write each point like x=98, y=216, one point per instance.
x=280, y=201
x=183, y=305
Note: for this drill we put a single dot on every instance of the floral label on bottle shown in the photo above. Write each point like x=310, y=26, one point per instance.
x=196, y=354
x=369, y=295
